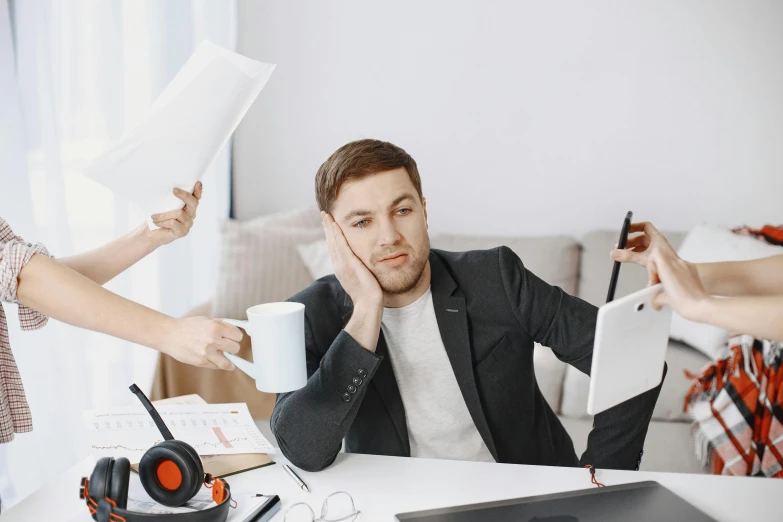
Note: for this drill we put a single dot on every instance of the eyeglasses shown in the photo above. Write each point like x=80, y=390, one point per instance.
x=337, y=507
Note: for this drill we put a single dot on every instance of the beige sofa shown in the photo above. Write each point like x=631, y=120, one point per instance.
x=260, y=263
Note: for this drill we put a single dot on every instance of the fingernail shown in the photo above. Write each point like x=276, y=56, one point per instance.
x=177, y=191
x=155, y=216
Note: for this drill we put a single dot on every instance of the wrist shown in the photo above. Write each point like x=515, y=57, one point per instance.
x=701, y=309
x=705, y=275
x=369, y=303
x=365, y=324
x=161, y=332
x=368, y=313
x=144, y=236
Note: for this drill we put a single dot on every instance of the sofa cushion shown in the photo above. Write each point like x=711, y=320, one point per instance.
x=316, y=258
x=259, y=262
x=596, y=268
x=555, y=259
x=669, y=407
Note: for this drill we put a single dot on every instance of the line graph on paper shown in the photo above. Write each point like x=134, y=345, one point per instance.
x=212, y=429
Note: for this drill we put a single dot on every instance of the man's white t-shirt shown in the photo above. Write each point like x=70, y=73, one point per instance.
x=439, y=423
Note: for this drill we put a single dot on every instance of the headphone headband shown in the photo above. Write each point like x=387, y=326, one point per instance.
x=106, y=510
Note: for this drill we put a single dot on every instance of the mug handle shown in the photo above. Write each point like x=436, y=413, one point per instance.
x=245, y=366
x=244, y=324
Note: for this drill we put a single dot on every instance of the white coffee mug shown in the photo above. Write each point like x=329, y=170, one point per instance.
x=277, y=335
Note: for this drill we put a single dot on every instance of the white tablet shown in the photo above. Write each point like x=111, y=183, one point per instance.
x=629, y=350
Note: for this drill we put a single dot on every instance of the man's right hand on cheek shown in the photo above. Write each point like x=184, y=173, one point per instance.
x=359, y=283
x=355, y=278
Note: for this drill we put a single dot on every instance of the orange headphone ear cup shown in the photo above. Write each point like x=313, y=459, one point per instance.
x=120, y=477
x=198, y=466
x=169, y=475
x=100, y=478
x=109, y=479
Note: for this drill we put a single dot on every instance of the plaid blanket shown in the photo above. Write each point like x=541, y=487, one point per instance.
x=737, y=408
x=769, y=233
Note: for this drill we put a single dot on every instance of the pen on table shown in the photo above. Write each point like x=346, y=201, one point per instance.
x=296, y=478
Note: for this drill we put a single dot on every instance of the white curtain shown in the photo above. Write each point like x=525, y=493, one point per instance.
x=84, y=72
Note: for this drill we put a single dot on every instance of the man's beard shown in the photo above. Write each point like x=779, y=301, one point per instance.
x=400, y=281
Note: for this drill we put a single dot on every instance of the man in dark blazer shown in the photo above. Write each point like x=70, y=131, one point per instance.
x=424, y=353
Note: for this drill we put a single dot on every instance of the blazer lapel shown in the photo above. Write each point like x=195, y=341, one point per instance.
x=452, y=318
x=385, y=383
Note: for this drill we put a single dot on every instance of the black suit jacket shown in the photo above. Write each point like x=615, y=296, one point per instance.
x=490, y=310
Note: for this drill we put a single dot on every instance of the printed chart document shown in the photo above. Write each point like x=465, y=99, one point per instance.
x=212, y=429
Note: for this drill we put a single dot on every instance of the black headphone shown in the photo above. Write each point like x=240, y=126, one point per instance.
x=170, y=472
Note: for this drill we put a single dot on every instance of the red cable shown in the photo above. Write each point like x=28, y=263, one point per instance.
x=593, y=480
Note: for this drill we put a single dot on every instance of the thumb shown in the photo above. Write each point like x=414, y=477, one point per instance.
x=661, y=300
x=652, y=277
x=652, y=271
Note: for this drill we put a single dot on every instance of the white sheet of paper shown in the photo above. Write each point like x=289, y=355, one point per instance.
x=188, y=125
x=193, y=398
x=212, y=429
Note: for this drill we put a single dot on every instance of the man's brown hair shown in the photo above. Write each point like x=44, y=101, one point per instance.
x=357, y=160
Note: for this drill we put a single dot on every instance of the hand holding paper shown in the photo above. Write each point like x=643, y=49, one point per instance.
x=188, y=125
x=177, y=223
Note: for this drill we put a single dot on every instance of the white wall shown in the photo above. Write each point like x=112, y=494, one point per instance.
x=526, y=117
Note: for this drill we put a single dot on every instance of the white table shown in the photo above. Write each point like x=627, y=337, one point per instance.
x=384, y=486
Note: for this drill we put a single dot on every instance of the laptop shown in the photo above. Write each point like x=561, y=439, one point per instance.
x=637, y=502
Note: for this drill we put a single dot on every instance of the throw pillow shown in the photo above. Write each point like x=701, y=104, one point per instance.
x=259, y=262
